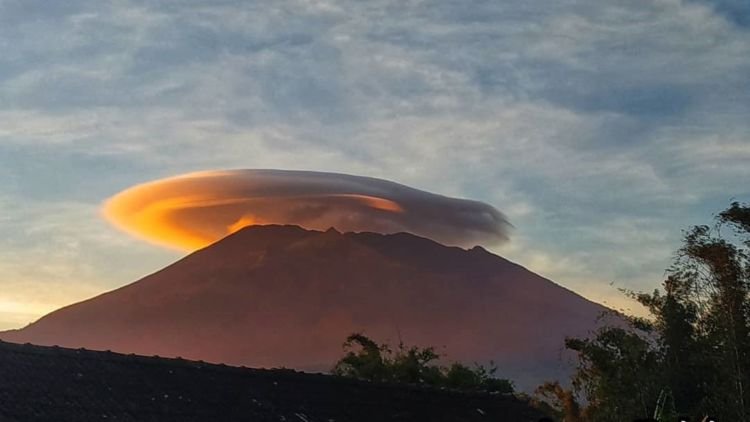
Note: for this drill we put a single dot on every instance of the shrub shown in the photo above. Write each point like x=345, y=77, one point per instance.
x=365, y=359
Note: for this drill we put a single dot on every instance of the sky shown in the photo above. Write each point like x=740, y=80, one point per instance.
x=600, y=128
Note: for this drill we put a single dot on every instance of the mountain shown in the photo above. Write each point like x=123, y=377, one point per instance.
x=282, y=296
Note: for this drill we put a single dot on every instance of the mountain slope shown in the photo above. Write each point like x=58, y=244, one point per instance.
x=270, y=296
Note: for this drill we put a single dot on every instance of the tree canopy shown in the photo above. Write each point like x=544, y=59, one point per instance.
x=692, y=357
x=365, y=359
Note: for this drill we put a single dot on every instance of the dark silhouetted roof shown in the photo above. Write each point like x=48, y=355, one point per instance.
x=57, y=384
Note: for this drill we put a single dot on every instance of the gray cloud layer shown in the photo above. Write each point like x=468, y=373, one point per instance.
x=193, y=210
x=603, y=127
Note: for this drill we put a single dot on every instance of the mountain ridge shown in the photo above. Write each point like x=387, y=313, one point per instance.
x=284, y=296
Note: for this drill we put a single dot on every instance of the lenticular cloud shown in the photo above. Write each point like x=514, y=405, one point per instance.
x=194, y=210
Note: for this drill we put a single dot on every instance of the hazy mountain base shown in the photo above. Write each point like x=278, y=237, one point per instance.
x=273, y=296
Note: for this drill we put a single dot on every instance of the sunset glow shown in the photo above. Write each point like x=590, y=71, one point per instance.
x=192, y=211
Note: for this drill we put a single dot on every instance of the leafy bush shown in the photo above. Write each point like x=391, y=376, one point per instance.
x=365, y=359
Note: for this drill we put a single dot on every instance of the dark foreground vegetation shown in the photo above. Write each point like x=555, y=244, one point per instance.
x=691, y=357
x=367, y=360
x=690, y=360
x=63, y=385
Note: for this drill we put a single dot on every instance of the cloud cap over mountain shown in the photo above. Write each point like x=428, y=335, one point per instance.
x=194, y=210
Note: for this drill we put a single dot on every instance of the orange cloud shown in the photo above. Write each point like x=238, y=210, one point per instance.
x=192, y=211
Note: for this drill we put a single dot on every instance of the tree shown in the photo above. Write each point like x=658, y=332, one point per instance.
x=675, y=316
x=365, y=359
x=618, y=374
x=693, y=354
x=712, y=271
x=367, y=363
x=478, y=378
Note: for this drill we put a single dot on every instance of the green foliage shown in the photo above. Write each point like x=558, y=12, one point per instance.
x=365, y=359
x=692, y=356
x=618, y=374
x=368, y=363
x=479, y=378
